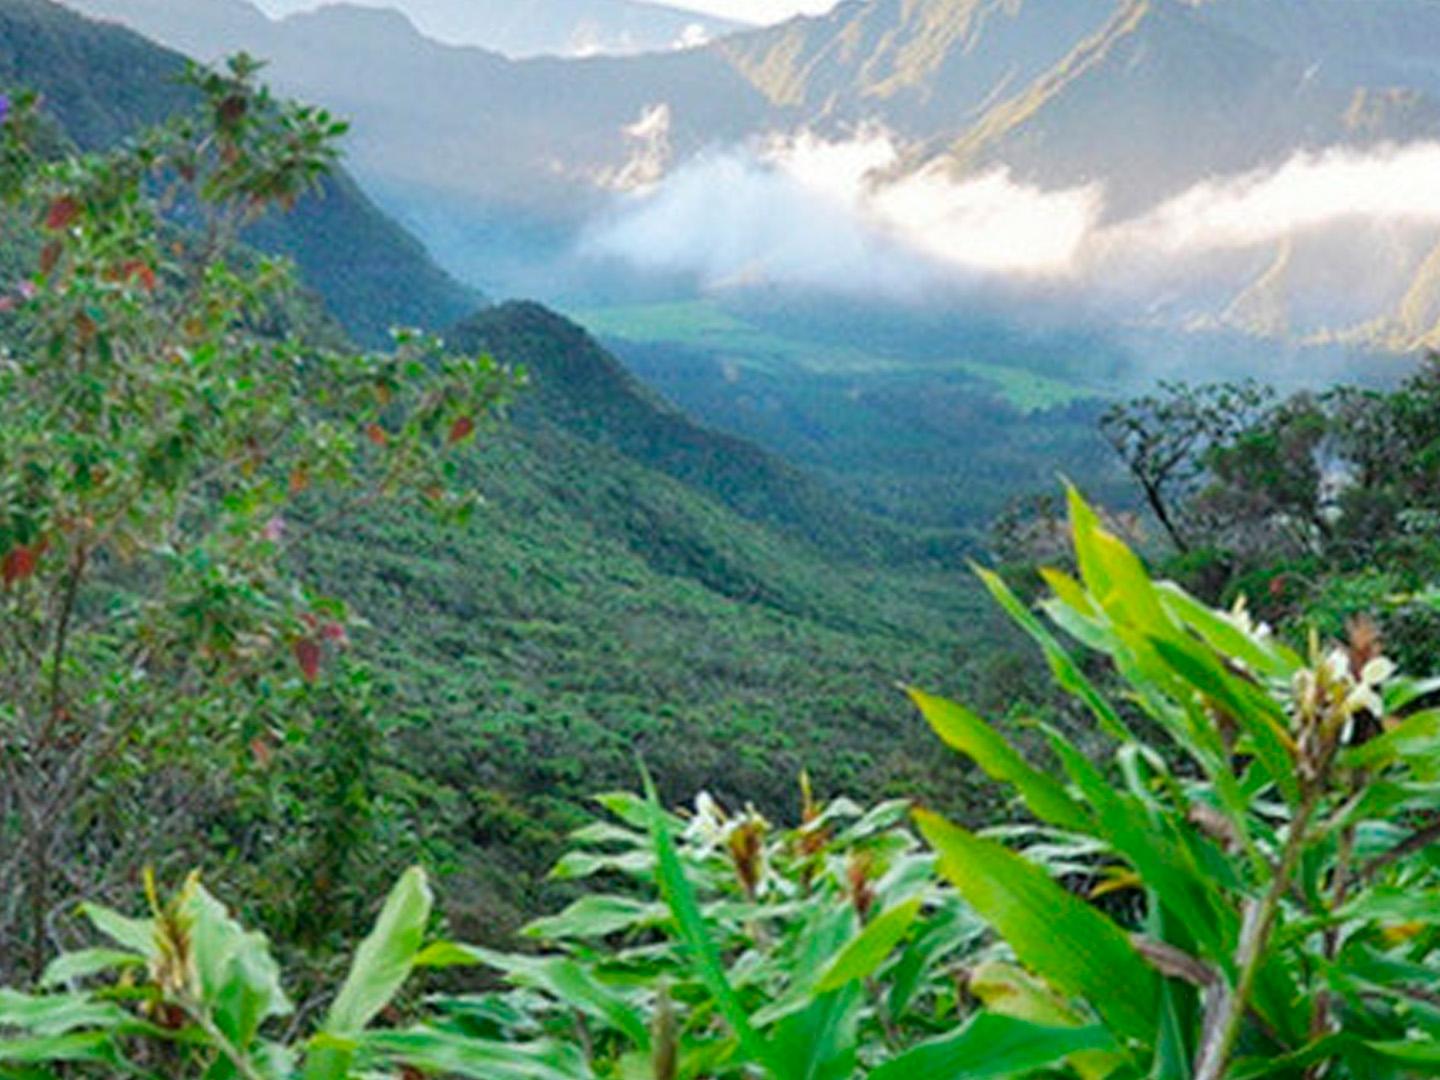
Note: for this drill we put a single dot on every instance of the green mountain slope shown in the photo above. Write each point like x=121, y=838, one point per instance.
x=634, y=585
x=580, y=387
x=101, y=82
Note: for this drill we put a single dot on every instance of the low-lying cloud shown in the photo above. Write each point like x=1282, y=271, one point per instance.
x=846, y=216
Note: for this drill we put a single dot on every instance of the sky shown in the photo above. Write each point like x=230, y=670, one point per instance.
x=756, y=11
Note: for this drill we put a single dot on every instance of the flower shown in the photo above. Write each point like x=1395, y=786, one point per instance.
x=4, y=107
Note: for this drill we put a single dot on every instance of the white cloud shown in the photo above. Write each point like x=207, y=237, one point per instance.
x=1393, y=184
x=853, y=216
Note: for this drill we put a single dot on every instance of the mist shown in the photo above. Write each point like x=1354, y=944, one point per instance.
x=851, y=217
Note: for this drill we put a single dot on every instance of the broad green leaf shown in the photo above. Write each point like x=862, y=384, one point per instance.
x=56, y=1014
x=137, y=935
x=993, y=1046
x=869, y=950
x=597, y=916
x=83, y=963
x=693, y=932
x=820, y=1041
x=1070, y=944
x=1417, y=735
x=1164, y=865
x=562, y=978
x=1114, y=574
x=1066, y=671
x=1269, y=658
x=75, y=1046
x=239, y=979
x=962, y=730
x=1258, y=715
x=385, y=958
x=455, y=1055
x=1007, y=990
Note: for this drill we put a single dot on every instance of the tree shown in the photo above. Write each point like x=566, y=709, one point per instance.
x=167, y=440
x=1164, y=438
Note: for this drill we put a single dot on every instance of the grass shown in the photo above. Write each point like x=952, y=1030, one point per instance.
x=704, y=326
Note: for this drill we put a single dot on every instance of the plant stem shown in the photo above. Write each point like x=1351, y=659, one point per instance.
x=1219, y=1042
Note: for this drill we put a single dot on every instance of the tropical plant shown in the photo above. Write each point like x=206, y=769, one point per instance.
x=727, y=944
x=199, y=995
x=166, y=441
x=1265, y=855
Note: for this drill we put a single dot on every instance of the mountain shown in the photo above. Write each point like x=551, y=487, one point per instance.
x=102, y=82
x=1138, y=97
x=634, y=584
x=520, y=28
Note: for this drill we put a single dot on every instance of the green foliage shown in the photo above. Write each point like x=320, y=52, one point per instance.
x=102, y=84
x=1266, y=840
x=728, y=944
x=160, y=452
x=198, y=995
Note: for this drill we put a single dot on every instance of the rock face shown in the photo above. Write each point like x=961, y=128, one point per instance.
x=497, y=161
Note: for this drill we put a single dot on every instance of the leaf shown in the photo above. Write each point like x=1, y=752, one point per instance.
x=993, y=1046
x=1417, y=735
x=18, y=564
x=56, y=1014
x=376, y=434
x=454, y=1055
x=1073, y=946
x=863, y=955
x=1066, y=671
x=137, y=935
x=597, y=916
x=693, y=933
x=307, y=656
x=81, y=964
x=962, y=730
x=385, y=958
x=1007, y=990
x=61, y=213
x=77, y=1046
x=461, y=429
x=563, y=979
x=239, y=979
x=820, y=1041
x=1253, y=710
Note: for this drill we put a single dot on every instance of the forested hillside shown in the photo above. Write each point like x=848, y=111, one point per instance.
x=102, y=84
x=632, y=582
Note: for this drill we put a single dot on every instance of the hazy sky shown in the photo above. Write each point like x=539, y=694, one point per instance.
x=755, y=11
x=758, y=11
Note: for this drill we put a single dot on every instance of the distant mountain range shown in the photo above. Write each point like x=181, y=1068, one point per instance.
x=1029, y=143
x=520, y=28
x=101, y=83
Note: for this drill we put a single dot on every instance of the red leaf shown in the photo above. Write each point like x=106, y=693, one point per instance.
x=19, y=563
x=143, y=272
x=333, y=631
x=376, y=434
x=50, y=256
x=62, y=212
x=307, y=655
x=261, y=752
x=461, y=429
x=299, y=479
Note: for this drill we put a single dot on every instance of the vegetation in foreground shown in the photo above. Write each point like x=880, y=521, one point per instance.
x=1246, y=889
x=1232, y=876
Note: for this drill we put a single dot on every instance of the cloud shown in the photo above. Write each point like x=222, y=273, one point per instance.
x=855, y=215
x=1389, y=185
